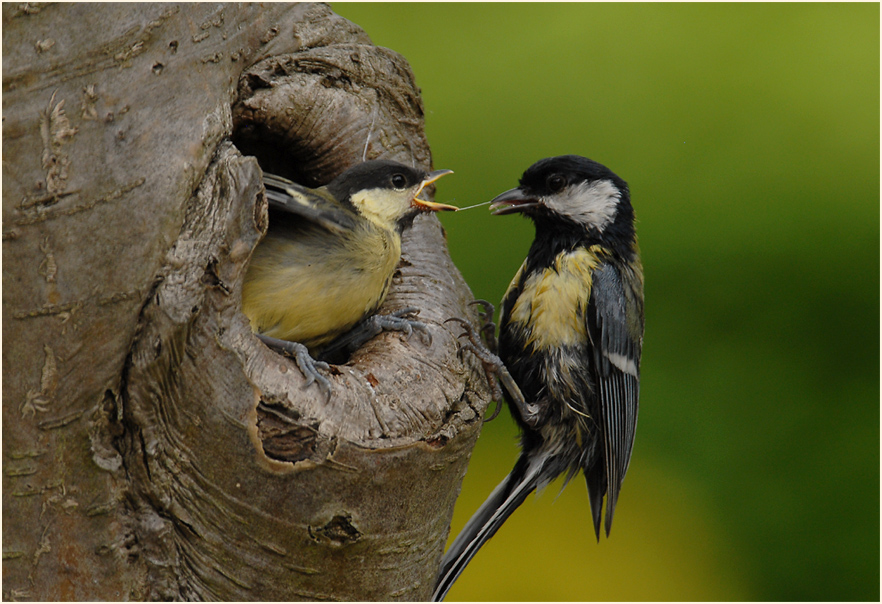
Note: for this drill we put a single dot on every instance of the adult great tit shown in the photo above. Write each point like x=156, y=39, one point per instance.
x=571, y=334
x=327, y=260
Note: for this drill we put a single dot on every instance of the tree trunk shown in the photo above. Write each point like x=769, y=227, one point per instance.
x=153, y=448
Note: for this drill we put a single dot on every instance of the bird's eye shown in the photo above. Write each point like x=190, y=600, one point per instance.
x=556, y=182
x=399, y=181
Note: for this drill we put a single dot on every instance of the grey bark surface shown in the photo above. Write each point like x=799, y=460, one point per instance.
x=153, y=448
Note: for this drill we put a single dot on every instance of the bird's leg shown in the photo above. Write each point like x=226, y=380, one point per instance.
x=488, y=327
x=374, y=325
x=308, y=366
x=495, y=369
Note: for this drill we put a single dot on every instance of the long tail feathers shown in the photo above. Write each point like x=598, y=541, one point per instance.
x=595, y=476
x=504, y=500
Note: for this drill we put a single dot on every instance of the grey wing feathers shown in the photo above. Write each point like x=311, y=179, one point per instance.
x=615, y=326
x=309, y=204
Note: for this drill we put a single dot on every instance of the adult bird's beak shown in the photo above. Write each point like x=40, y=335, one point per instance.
x=514, y=200
x=432, y=206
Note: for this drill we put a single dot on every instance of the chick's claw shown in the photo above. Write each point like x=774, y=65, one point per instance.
x=308, y=366
x=340, y=349
x=398, y=321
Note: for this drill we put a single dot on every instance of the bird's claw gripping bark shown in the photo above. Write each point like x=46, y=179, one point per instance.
x=488, y=327
x=495, y=370
x=340, y=349
x=398, y=321
x=308, y=366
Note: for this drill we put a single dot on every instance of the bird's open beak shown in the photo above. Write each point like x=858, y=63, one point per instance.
x=431, y=206
x=514, y=200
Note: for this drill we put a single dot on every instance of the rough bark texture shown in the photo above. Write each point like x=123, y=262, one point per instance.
x=152, y=447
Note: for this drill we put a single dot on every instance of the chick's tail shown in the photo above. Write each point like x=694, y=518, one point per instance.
x=504, y=500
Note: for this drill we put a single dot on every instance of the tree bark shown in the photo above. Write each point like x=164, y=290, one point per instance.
x=153, y=447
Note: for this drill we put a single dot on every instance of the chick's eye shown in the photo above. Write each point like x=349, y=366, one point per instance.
x=556, y=182
x=399, y=181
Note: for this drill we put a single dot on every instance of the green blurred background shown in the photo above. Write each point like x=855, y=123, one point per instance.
x=749, y=135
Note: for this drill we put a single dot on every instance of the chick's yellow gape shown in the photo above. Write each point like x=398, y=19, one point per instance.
x=327, y=260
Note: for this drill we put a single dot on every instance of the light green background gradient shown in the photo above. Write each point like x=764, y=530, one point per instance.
x=750, y=137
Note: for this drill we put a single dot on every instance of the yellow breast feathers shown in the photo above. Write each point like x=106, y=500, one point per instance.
x=307, y=291
x=552, y=304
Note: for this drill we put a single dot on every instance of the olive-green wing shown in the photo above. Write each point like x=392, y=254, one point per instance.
x=315, y=205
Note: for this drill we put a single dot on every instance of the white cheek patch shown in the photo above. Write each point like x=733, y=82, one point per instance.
x=589, y=203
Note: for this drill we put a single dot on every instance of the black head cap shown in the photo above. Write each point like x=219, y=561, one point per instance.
x=549, y=175
x=570, y=197
x=375, y=174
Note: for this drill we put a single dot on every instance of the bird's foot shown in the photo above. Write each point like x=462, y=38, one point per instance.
x=308, y=366
x=488, y=327
x=497, y=373
x=374, y=325
x=398, y=321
